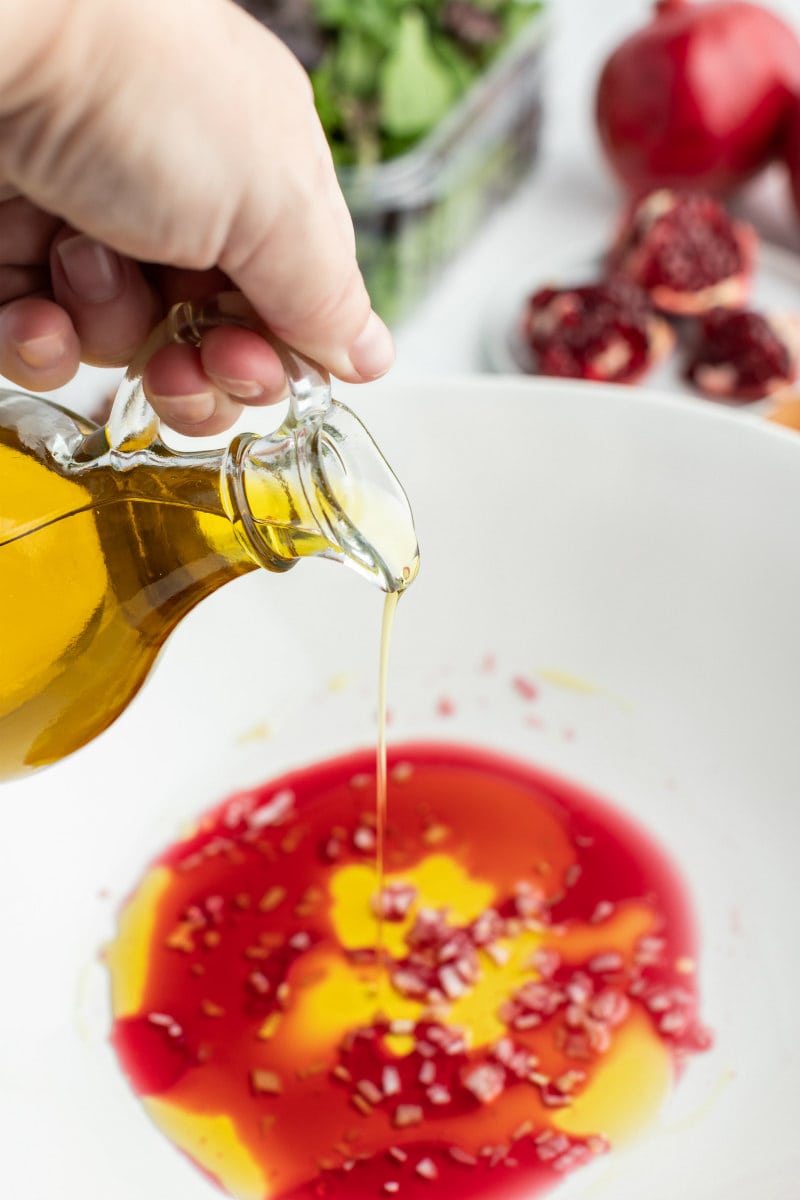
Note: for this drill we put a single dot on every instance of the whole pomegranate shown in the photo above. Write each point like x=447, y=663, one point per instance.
x=793, y=152
x=700, y=97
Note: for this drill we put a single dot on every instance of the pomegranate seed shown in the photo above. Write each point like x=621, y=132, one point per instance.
x=609, y=1006
x=579, y=988
x=578, y=1045
x=427, y=1072
x=525, y=1021
x=486, y=1082
x=426, y=1169
x=332, y=850
x=674, y=1023
x=576, y=1156
x=258, y=983
x=553, y=1098
x=271, y=899
x=370, y=1091
x=545, y=961
x=435, y=834
x=497, y=1155
x=659, y=1002
x=602, y=911
x=539, y=997
x=266, y=1083
x=209, y=1009
x=649, y=950
x=395, y=901
x=550, y=1145
x=274, y=811
x=406, y=1115
x=572, y=875
x=569, y=1081
x=390, y=1081
x=449, y=1040
x=599, y=1036
x=499, y=955
x=526, y=689
x=602, y=964
x=402, y=1028
x=409, y=982
x=451, y=982
x=364, y=839
x=487, y=927
x=462, y=1156
x=160, y=1020
x=527, y=900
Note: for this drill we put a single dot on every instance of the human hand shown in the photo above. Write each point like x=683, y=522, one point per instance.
x=151, y=153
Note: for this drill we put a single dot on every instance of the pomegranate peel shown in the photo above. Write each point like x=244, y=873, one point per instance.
x=792, y=151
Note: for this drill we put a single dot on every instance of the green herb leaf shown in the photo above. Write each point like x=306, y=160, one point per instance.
x=416, y=88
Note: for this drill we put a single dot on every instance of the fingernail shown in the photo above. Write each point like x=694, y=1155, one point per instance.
x=42, y=351
x=185, y=410
x=93, y=271
x=372, y=353
x=242, y=389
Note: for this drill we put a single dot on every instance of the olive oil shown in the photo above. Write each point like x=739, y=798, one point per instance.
x=102, y=554
x=381, y=775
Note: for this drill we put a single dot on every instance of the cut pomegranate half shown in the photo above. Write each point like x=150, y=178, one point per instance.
x=744, y=355
x=686, y=252
x=605, y=331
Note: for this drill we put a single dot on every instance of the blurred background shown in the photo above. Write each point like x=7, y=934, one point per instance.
x=564, y=201
x=484, y=177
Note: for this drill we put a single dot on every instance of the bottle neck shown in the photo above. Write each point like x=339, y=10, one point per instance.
x=321, y=488
x=266, y=503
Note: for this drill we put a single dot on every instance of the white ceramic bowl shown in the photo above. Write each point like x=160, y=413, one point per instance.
x=645, y=546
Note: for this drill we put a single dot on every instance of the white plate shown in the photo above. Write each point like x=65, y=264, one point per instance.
x=776, y=288
x=648, y=549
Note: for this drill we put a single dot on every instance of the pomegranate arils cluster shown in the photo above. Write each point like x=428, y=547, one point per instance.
x=442, y=963
x=743, y=355
x=686, y=252
x=677, y=255
x=605, y=331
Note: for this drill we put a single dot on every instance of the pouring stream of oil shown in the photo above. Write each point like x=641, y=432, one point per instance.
x=389, y=609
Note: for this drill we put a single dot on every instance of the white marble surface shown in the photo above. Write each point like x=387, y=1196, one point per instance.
x=569, y=202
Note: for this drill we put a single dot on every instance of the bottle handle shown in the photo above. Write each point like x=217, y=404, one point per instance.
x=133, y=425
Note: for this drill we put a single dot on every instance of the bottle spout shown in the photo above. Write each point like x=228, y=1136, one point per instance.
x=361, y=505
x=320, y=486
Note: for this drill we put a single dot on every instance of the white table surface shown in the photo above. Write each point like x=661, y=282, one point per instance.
x=570, y=201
